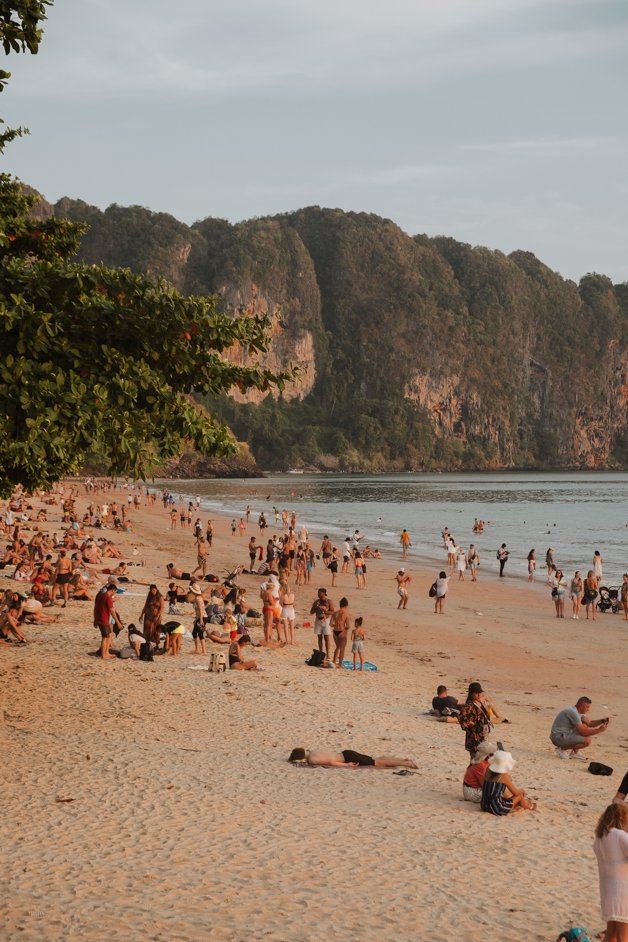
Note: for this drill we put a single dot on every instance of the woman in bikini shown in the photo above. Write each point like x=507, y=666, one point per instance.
x=236, y=661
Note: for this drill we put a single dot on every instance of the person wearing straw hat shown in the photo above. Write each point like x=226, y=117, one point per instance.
x=473, y=780
x=499, y=795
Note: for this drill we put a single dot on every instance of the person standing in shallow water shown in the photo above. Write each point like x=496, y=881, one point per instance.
x=531, y=565
x=502, y=556
x=597, y=567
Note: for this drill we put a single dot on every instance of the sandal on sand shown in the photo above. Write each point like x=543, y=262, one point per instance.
x=405, y=772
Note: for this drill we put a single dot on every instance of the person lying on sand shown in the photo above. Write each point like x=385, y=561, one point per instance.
x=348, y=759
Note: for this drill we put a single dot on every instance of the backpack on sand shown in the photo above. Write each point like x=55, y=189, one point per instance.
x=217, y=662
x=145, y=651
x=316, y=658
x=577, y=934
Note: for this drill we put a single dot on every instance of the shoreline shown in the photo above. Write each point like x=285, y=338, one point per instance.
x=181, y=772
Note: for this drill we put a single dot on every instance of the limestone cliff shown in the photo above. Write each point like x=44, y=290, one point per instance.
x=412, y=352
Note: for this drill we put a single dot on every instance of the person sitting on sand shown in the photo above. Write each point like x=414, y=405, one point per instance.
x=443, y=704
x=348, y=759
x=499, y=795
x=236, y=661
x=9, y=625
x=473, y=780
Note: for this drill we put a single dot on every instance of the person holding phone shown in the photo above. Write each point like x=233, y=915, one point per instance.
x=571, y=730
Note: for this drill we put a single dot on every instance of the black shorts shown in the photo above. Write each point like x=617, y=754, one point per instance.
x=63, y=578
x=350, y=756
x=186, y=576
x=198, y=632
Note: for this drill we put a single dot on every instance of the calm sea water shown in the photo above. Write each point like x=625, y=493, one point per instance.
x=574, y=513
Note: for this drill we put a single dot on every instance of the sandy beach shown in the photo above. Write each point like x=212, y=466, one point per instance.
x=153, y=801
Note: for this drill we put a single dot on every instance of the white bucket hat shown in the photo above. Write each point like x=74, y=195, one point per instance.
x=501, y=762
x=485, y=749
x=196, y=589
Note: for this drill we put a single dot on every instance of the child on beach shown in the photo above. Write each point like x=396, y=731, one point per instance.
x=230, y=625
x=358, y=636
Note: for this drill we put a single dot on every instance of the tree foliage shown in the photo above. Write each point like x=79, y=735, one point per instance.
x=101, y=359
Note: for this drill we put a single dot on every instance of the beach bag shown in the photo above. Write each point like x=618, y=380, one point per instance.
x=554, y=592
x=217, y=662
x=145, y=652
x=598, y=768
x=316, y=659
x=576, y=934
x=432, y=591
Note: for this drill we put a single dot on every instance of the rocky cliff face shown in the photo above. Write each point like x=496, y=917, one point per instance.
x=412, y=352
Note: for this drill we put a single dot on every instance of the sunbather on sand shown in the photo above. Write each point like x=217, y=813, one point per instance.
x=348, y=759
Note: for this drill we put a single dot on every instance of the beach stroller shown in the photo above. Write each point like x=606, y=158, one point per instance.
x=609, y=599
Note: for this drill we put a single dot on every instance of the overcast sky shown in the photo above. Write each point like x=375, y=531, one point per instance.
x=498, y=122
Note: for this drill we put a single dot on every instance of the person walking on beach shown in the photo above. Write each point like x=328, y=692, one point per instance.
x=402, y=578
x=571, y=730
x=252, y=553
x=473, y=558
x=340, y=626
x=589, y=593
x=322, y=609
x=151, y=614
x=286, y=600
x=358, y=636
x=358, y=566
x=440, y=591
x=200, y=613
x=559, y=588
x=474, y=719
x=597, y=567
x=611, y=849
x=461, y=563
x=405, y=543
x=550, y=564
x=623, y=595
x=201, y=556
x=531, y=565
x=62, y=577
x=502, y=556
x=105, y=617
x=575, y=592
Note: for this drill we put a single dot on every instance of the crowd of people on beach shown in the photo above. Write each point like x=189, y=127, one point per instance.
x=57, y=556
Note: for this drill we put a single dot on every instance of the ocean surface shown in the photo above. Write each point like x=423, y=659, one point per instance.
x=574, y=513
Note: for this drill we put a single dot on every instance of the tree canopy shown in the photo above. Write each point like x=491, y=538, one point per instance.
x=101, y=359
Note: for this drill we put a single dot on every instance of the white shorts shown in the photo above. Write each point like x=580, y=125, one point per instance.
x=288, y=612
x=471, y=794
x=322, y=627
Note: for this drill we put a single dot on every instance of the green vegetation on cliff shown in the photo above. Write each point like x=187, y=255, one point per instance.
x=414, y=352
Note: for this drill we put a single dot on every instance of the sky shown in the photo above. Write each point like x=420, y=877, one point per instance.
x=497, y=122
